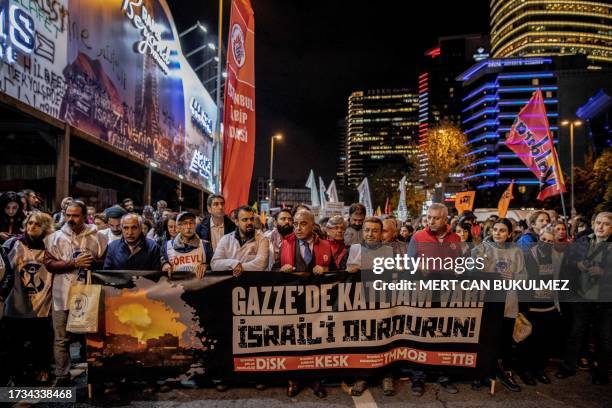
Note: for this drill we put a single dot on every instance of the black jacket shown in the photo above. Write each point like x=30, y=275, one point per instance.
x=6, y=276
x=119, y=256
x=203, y=229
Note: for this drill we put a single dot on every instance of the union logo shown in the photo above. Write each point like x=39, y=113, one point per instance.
x=238, y=47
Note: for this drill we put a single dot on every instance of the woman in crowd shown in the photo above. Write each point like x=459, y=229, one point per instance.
x=406, y=232
x=11, y=218
x=100, y=221
x=506, y=260
x=464, y=230
x=560, y=230
x=167, y=231
x=541, y=309
x=147, y=228
x=28, y=306
x=487, y=228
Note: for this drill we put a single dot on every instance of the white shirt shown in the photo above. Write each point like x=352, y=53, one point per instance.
x=65, y=245
x=216, y=233
x=109, y=235
x=253, y=255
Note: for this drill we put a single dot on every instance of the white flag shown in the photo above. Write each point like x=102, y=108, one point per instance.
x=311, y=183
x=402, y=210
x=364, y=196
x=332, y=193
x=322, y=192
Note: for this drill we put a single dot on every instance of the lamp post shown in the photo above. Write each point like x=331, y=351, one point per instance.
x=275, y=137
x=193, y=27
x=572, y=124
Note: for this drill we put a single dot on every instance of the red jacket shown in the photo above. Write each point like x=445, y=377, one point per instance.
x=424, y=242
x=321, y=249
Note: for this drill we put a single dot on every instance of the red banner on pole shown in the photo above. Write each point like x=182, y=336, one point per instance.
x=464, y=201
x=504, y=201
x=532, y=142
x=239, y=108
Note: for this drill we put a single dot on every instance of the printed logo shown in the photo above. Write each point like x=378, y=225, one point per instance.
x=79, y=305
x=238, y=47
x=31, y=279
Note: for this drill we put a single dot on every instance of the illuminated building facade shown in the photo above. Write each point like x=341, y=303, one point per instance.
x=341, y=177
x=495, y=90
x=522, y=28
x=439, y=92
x=382, y=129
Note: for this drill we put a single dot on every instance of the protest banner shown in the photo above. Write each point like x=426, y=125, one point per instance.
x=263, y=325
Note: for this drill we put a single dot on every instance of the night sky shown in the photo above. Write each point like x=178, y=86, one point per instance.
x=310, y=55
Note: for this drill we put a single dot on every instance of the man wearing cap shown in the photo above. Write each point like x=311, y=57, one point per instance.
x=244, y=249
x=216, y=224
x=113, y=215
x=186, y=252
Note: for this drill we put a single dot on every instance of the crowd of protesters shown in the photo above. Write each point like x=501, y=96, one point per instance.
x=43, y=254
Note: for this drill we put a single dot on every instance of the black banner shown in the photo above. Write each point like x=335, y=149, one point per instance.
x=270, y=325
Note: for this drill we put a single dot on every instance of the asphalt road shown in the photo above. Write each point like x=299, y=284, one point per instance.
x=572, y=392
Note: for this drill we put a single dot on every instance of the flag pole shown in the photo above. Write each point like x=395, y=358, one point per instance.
x=563, y=206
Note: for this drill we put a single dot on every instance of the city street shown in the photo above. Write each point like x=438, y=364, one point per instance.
x=573, y=392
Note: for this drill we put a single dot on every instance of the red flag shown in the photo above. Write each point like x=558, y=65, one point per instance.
x=239, y=108
x=532, y=142
x=504, y=201
x=388, y=209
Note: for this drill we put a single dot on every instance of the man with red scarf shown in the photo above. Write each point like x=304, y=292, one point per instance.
x=303, y=253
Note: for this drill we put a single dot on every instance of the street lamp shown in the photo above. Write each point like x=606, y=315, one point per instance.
x=572, y=124
x=275, y=137
x=193, y=27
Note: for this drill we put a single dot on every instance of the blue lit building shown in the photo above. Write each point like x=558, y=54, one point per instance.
x=495, y=90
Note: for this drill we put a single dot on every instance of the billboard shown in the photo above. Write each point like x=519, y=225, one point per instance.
x=113, y=69
x=33, y=43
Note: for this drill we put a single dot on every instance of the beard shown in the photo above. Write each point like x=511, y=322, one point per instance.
x=249, y=233
x=285, y=229
x=356, y=227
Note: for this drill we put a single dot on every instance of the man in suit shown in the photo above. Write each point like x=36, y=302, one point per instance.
x=303, y=253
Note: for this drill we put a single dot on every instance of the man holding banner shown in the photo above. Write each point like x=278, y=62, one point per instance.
x=186, y=252
x=244, y=249
x=304, y=253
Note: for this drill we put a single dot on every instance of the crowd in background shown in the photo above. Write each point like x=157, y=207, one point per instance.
x=43, y=254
